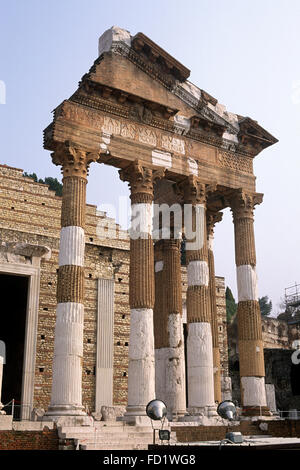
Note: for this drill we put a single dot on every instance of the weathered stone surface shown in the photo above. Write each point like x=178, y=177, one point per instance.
x=111, y=413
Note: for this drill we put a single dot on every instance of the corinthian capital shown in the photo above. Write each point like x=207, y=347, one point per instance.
x=242, y=204
x=193, y=191
x=141, y=179
x=211, y=219
x=73, y=160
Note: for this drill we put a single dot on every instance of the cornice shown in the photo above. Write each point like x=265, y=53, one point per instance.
x=166, y=79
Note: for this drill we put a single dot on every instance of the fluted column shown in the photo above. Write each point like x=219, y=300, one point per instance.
x=250, y=342
x=66, y=395
x=212, y=219
x=199, y=340
x=141, y=367
x=169, y=344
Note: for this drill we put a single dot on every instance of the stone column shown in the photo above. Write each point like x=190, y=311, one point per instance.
x=66, y=395
x=141, y=368
x=250, y=342
x=199, y=340
x=211, y=219
x=160, y=322
x=168, y=328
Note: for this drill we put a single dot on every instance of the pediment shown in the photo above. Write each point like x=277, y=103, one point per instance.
x=251, y=134
x=135, y=78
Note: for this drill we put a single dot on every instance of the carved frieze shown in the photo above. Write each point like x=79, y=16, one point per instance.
x=128, y=131
x=173, y=144
x=86, y=116
x=111, y=125
x=147, y=136
x=235, y=162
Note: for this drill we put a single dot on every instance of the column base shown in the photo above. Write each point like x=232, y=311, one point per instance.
x=136, y=416
x=199, y=412
x=208, y=411
x=68, y=416
x=176, y=415
x=256, y=411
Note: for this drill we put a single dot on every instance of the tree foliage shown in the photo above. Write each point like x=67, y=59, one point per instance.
x=265, y=305
x=231, y=306
x=53, y=183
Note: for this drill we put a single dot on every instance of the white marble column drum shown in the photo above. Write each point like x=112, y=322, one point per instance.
x=141, y=368
x=67, y=362
x=199, y=350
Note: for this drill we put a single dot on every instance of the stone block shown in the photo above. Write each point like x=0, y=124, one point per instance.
x=6, y=422
x=111, y=413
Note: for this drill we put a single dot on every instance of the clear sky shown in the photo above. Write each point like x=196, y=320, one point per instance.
x=243, y=52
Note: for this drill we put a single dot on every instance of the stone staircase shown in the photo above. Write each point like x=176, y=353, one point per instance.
x=111, y=436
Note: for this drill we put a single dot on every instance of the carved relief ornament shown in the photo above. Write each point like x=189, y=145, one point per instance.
x=193, y=191
x=141, y=179
x=212, y=218
x=73, y=160
x=243, y=204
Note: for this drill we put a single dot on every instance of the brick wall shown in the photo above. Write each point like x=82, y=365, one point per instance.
x=286, y=428
x=29, y=440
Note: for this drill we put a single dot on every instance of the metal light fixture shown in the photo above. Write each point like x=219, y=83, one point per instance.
x=227, y=410
x=156, y=410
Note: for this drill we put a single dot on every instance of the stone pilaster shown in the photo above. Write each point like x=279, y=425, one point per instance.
x=211, y=220
x=66, y=395
x=199, y=341
x=141, y=367
x=168, y=328
x=250, y=342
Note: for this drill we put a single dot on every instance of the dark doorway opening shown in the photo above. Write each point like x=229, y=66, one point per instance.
x=295, y=379
x=14, y=293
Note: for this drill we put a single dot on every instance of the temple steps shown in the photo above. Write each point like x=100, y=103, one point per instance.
x=111, y=436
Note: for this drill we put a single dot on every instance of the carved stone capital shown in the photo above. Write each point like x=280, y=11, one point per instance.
x=212, y=218
x=141, y=179
x=73, y=160
x=243, y=204
x=193, y=191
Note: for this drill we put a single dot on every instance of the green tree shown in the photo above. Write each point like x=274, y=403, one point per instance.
x=265, y=305
x=231, y=306
x=53, y=183
x=31, y=175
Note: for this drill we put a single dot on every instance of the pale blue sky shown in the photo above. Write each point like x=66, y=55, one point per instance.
x=243, y=52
